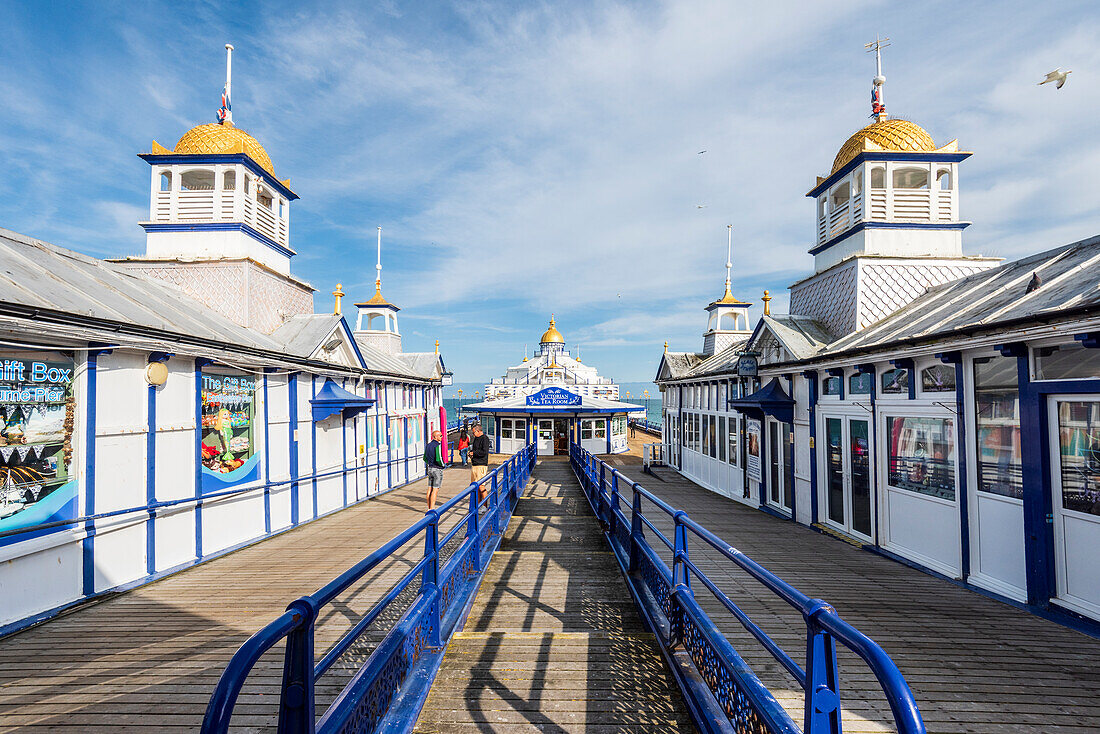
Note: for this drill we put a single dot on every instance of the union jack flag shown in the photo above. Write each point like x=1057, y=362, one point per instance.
x=877, y=108
x=226, y=108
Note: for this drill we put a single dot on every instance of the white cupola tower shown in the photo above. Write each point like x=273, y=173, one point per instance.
x=887, y=221
x=219, y=223
x=727, y=318
x=376, y=324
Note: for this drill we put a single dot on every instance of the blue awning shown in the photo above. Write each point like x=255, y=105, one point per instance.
x=332, y=399
x=771, y=400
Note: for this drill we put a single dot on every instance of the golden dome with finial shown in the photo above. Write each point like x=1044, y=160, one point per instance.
x=890, y=134
x=218, y=138
x=377, y=299
x=728, y=299
x=552, y=335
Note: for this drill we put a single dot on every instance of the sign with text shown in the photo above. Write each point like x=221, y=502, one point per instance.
x=753, y=431
x=554, y=396
x=747, y=365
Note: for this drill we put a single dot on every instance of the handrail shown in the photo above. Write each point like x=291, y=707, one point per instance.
x=413, y=645
x=666, y=598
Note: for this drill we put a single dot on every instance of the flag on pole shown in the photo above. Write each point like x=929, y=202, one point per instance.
x=224, y=112
x=877, y=107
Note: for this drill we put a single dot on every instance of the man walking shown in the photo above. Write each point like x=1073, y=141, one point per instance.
x=479, y=460
x=433, y=460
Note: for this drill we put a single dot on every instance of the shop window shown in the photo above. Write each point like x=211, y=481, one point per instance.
x=519, y=429
x=586, y=430
x=1079, y=442
x=910, y=178
x=488, y=422
x=734, y=449
x=37, y=417
x=938, y=378
x=722, y=440
x=505, y=427
x=197, y=181
x=228, y=429
x=830, y=385
x=600, y=428
x=1067, y=362
x=997, y=408
x=922, y=456
x=860, y=383
x=895, y=382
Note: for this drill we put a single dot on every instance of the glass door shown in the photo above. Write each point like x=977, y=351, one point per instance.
x=545, y=437
x=847, y=463
x=1075, y=465
x=780, y=489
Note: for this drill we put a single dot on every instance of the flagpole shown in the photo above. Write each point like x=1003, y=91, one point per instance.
x=229, y=80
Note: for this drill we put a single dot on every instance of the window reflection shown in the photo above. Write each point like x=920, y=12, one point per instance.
x=997, y=405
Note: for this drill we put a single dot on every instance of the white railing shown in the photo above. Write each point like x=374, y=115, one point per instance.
x=946, y=202
x=265, y=221
x=839, y=220
x=195, y=205
x=878, y=205
x=655, y=454
x=913, y=204
x=163, y=208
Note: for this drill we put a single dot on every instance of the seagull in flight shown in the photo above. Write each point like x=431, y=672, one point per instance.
x=700, y=206
x=700, y=152
x=1057, y=76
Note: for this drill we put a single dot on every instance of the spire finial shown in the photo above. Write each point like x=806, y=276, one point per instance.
x=437, y=346
x=337, y=294
x=878, y=106
x=666, y=346
x=225, y=112
x=767, y=303
x=525, y=351
x=378, y=267
x=729, y=259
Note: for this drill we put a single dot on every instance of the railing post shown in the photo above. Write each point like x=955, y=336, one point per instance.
x=613, y=520
x=473, y=532
x=600, y=509
x=296, y=698
x=494, y=501
x=430, y=578
x=822, y=677
x=637, y=536
x=681, y=575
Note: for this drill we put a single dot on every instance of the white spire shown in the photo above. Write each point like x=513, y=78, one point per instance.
x=378, y=267
x=729, y=255
x=878, y=101
x=228, y=83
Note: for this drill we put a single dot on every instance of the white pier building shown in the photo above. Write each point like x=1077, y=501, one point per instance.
x=551, y=397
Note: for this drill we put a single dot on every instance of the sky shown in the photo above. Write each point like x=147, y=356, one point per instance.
x=533, y=158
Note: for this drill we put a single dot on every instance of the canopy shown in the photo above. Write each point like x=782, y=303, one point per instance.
x=332, y=399
x=771, y=400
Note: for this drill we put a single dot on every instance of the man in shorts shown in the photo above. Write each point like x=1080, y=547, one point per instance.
x=433, y=460
x=479, y=460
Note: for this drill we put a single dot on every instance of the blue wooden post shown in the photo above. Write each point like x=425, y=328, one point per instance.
x=822, y=696
x=296, y=700
x=681, y=575
x=637, y=535
x=616, y=507
x=472, y=529
x=493, y=502
x=601, y=511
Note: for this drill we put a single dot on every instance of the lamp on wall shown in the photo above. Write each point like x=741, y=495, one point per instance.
x=156, y=372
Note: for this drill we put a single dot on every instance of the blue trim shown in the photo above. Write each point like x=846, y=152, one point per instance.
x=885, y=155
x=221, y=227
x=292, y=397
x=389, y=438
x=860, y=226
x=215, y=158
x=344, y=443
x=267, y=461
x=87, y=545
x=562, y=409
x=151, y=480
x=313, y=444
x=812, y=386
x=872, y=479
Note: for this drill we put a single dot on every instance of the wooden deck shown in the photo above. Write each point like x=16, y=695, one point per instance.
x=149, y=659
x=974, y=664
x=553, y=642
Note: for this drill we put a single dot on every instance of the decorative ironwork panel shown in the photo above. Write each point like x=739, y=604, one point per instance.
x=449, y=589
x=722, y=683
x=662, y=591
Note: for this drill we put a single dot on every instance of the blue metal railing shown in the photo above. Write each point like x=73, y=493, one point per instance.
x=648, y=425
x=721, y=689
x=404, y=662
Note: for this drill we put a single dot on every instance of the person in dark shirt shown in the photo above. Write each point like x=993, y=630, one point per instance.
x=479, y=460
x=433, y=460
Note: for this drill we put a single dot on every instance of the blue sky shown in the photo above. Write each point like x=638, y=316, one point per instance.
x=529, y=158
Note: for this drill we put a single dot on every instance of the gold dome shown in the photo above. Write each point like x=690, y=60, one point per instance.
x=552, y=335
x=891, y=134
x=213, y=138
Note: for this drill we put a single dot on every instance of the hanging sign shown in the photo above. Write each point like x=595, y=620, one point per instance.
x=748, y=364
x=753, y=432
x=554, y=396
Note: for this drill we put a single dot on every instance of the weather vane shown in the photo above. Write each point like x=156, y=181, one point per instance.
x=878, y=106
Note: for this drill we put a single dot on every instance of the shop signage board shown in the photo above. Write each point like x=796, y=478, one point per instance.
x=753, y=432
x=37, y=415
x=554, y=396
x=229, y=451
x=747, y=364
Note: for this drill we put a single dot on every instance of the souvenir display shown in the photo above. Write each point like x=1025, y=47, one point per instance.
x=228, y=425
